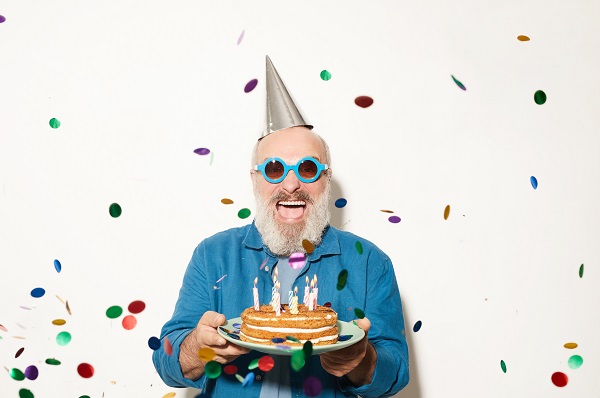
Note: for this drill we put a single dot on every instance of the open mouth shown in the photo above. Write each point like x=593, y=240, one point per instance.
x=291, y=209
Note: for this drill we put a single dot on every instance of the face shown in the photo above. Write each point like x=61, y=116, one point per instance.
x=290, y=211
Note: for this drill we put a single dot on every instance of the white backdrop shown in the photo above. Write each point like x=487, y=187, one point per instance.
x=137, y=86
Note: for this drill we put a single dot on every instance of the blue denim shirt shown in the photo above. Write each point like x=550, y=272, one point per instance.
x=239, y=253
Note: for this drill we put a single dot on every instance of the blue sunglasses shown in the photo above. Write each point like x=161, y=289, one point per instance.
x=275, y=170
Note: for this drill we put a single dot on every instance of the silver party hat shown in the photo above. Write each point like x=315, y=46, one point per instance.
x=281, y=110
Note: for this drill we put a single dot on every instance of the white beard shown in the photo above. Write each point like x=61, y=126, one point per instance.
x=284, y=239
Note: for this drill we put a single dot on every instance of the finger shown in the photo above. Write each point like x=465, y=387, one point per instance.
x=212, y=319
x=364, y=324
x=208, y=336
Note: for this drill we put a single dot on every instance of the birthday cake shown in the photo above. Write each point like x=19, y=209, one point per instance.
x=265, y=327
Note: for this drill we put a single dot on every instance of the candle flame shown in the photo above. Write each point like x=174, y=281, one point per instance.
x=312, y=283
x=307, y=279
x=315, y=279
x=255, y=280
x=277, y=285
x=296, y=290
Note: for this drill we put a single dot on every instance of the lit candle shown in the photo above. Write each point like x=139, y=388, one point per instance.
x=294, y=304
x=311, y=299
x=315, y=292
x=276, y=301
x=255, y=292
x=306, y=298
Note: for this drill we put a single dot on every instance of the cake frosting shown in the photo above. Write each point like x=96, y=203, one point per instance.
x=319, y=325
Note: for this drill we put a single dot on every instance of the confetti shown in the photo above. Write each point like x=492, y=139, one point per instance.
x=38, y=292
x=581, y=271
x=212, y=369
x=523, y=38
x=114, y=312
x=253, y=365
x=325, y=75
x=232, y=369
x=57, y=266
x=2, y=18
x=308, y=246
x=297, y=260
x=312, y=386
x=342, y=279
x=3, y=328
x=345, y=337
x=237, y=325
x=575, y=362
x=534, y=182
x=386, y=211
x=135, y=307
x=359, y=313
x=25, y=393
x=341, y=202
x=308, y=348
x=570, y=346
x=54, y=123
x=459, y=84
x=262, y=265
x=169, y=395
x=251, y=85
x=63, y=338
x=52, y=361
x=363, y=101
x=67, y=307
x=129, y=322
x=154, y=343
x=417, y=326
x=206, y=354
x=241, y=37
x=16, y=374
x=277, y=340
x=394, y=219
x=226, y=201
x=167, y=346
x=244, y=213
x=114, y=210
x=447, y=212
x=19, y=352
x=359, y=247
x=85, y=370
x=221, y=278
x=297, y=361
x=539, y=97
x=266, y=363
x=292, y=338
x=559, y=379
x=202, y=151
x=503, y=366
x=248, y=380
x=32, y=372
x=239, y=378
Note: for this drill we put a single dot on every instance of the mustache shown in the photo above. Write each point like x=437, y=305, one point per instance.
x=301, y=195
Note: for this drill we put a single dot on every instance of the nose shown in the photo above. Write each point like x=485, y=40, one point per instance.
x=290, y=183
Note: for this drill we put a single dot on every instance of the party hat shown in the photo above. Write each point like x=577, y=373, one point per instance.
x=281, y=110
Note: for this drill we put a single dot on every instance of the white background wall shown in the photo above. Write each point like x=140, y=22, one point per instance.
x=138, y=85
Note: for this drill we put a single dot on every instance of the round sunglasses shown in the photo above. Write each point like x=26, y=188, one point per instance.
x=275, y=170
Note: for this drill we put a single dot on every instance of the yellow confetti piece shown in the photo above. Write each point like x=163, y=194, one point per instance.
x=570, y=346
x=68, y=308
x=206, y=354
x=59, y=299
x=308, y=246
x=19, y=337
x=226, y=201
x=59, y=322
x=447, y=212
x=169, y=395
x=523, y=38
x=386, y=211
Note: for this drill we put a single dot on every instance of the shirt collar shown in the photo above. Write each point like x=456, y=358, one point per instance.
x=330, y=245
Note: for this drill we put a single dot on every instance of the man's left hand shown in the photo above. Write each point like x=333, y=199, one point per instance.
x=356, y=362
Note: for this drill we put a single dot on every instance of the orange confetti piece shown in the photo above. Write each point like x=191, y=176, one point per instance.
x=570, y=346
x=523, y=38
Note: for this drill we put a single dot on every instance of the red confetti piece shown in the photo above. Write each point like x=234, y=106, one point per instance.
x=230, y=369
x=168, y=347
x=136, y=307
x=363, y=101
x=19, y=352
x=129, y=322
x=266, y=363
x=85, y=370
x=6, y=330
x=559, y=379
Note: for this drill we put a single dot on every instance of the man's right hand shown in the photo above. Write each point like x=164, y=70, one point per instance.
x=205, y=335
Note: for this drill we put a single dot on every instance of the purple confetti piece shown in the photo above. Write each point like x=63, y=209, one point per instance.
x=202, y=151
x=251, y=85
x=241, y=37
x=221, y=278
x=394, y=219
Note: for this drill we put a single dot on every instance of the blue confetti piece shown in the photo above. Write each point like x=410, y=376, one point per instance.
x=248, y=380
x=237, y=325
x=38, y=292
x=417, y=326
x=341, y=202
x=233, y=336
x=534, y=182
x=345, y=337
x=57, y=266
x=154, y=343
x=277, y=340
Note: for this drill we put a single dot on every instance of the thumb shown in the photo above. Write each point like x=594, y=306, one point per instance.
x=212, y=319
x=364, y=324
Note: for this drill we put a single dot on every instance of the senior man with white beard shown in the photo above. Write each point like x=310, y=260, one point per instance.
x=291, y=179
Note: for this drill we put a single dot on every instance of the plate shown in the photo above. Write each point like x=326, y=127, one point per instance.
x=344, y=328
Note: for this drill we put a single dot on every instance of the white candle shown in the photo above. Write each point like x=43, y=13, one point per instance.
x=294, y=304
x=306, y=298
x=311, y=298
x=315, y=292
x=276, y=301
x=255, y=293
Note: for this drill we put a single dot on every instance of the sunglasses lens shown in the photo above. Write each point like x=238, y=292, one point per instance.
x=274, y=169
x=308, y=169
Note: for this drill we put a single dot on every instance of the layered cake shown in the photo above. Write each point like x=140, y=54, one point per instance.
x=319, y=325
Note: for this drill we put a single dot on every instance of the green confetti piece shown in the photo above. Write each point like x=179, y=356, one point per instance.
x=539, y=97
x=459, y=84
x=16, y=374
x=359, y=247
x=325, y=75
x=244, y=213
x=581, y=271
x=239, y=378
x=253, y=364
x=297, y=361
x=342, y=279
x=54, y=123
x=85, y=396
x=63, y=338
x=115, y=210
x=212, y=369
x=25, y=393
x=575, y=362
x=307, y=348
x=292, y=338
x=52, y=361
x=503, y=366
x=359, y=313
x=114, y=312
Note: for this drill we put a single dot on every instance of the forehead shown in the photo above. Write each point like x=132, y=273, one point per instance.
x=291, y=145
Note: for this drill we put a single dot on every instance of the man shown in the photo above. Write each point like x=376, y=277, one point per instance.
x=291, y=181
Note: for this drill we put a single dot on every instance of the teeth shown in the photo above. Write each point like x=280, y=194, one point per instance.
x=293, y=203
